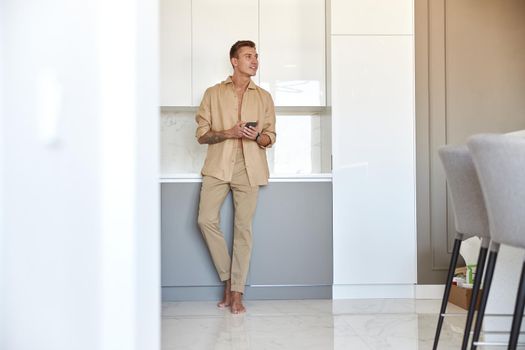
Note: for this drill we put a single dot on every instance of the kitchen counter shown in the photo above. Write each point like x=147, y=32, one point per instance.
x=292, y=254
x=187, y=178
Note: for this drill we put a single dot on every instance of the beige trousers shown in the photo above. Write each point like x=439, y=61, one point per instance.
x=213, y=194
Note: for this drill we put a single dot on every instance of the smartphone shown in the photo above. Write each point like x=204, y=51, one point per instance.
x=252, y=124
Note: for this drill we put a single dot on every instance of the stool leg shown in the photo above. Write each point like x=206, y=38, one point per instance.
x=450, y=276
x=518, y=312
x=475, y=291
x=491, y=264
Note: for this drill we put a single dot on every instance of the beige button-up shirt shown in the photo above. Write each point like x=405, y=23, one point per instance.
x=218, y=112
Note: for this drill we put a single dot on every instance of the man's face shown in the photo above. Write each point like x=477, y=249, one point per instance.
x=247, y=61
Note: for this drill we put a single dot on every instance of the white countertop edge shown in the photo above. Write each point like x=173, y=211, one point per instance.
x=189, y=178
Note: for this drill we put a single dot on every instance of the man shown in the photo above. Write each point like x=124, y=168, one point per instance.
x=236, y=161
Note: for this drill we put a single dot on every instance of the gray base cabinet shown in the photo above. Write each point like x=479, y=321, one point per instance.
x=292, y=250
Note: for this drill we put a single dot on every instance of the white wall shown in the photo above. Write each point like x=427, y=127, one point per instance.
x=2, y=262
x=373, y=148
x=80, y=230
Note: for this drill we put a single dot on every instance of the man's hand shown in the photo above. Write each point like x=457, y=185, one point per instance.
x=249, y=132
x=237, y=131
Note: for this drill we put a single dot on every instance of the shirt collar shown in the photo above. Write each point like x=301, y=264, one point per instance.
x=251, y=85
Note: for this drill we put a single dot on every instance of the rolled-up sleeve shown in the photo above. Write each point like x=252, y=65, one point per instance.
x=269, y=122
x=203, y=116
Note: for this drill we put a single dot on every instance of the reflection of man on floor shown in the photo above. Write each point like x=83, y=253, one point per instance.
x=236, y=119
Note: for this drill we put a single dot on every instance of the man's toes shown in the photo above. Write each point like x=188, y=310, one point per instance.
x=238, y=308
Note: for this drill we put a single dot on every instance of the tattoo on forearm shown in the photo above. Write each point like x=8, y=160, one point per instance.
x=213, y=138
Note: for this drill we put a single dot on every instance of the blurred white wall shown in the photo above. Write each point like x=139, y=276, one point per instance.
x=2, y=264
x=79, y=228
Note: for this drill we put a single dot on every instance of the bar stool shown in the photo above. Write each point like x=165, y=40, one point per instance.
x=470, y=220
x=500, y=163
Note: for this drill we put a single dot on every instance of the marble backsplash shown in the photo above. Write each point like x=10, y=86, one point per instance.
x=303, y=144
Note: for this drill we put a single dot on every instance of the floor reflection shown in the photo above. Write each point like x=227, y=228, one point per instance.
x=310, y=324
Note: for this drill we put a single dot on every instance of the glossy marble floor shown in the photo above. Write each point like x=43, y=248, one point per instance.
x=403, y=324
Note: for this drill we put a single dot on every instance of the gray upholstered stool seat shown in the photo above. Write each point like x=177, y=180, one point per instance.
x=500, y=164
x=470, y=220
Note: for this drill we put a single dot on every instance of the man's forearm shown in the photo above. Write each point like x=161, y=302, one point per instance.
x=213, y=137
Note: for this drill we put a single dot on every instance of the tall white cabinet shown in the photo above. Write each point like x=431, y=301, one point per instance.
x=373, y=149
x=196, y=36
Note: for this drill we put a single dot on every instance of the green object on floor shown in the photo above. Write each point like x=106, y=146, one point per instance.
x=471, y=272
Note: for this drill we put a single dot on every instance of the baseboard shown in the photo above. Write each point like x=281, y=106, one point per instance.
x=287, y=292
x=370, y=291
x=373, y=291
x=430, y=291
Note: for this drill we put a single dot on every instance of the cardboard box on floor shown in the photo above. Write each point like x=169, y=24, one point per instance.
x=461, y=297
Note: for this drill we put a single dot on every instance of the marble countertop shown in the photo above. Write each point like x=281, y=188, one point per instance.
x=182, y=178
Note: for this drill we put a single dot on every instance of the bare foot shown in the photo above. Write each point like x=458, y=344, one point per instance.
x=226, y=300
x=236, y=300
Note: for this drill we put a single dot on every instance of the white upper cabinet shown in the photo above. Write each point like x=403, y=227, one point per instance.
x=217, y=25
x=292, y=51
x=196, y=36
x=175, y=53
